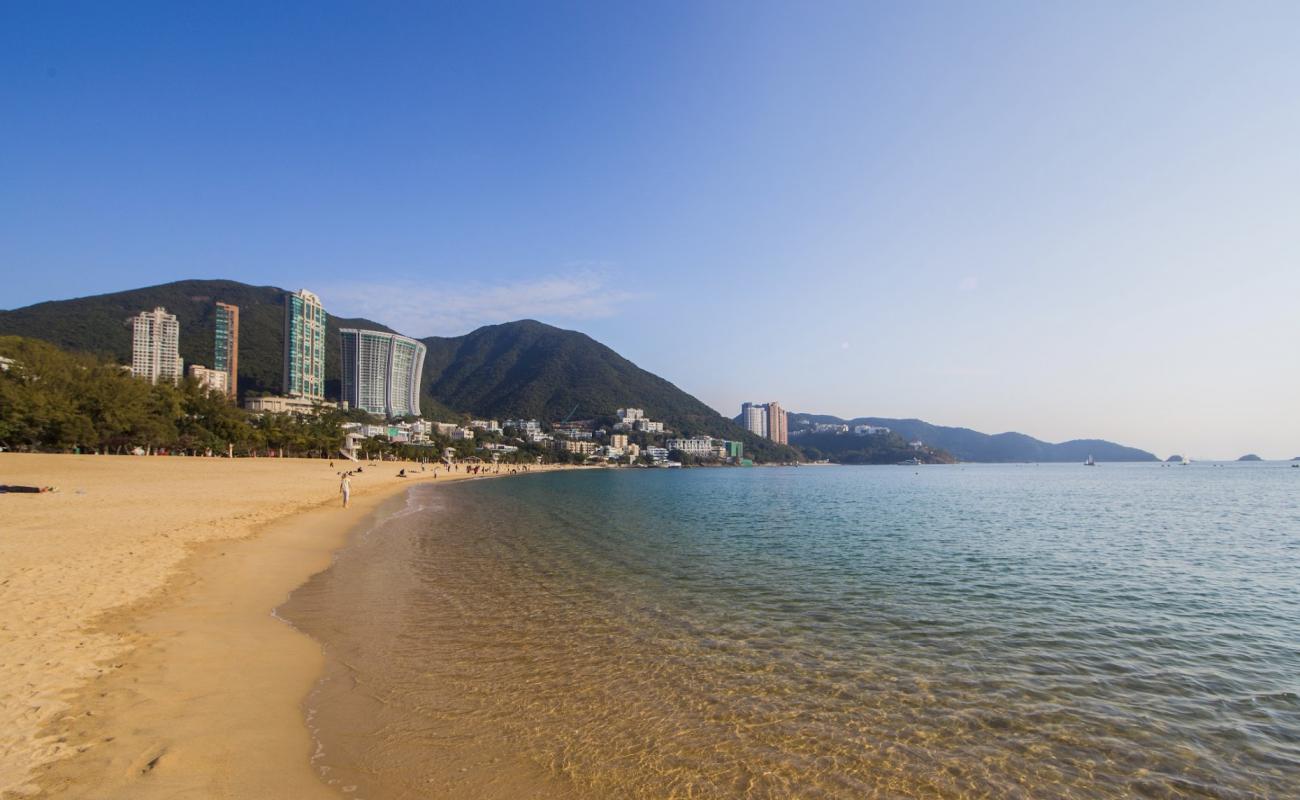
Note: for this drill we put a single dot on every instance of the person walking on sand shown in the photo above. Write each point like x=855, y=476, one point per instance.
x=345, y=489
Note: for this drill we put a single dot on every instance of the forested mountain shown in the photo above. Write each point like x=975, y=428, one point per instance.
x=100, y=325
x=515, y=369
x=970, y=445
x=533, y=370
x=848, y=449
x=530, y=369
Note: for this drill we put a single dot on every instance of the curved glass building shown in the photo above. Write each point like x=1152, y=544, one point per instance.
x=381, y=372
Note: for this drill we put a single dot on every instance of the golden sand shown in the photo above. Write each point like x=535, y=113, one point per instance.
x=138, y=653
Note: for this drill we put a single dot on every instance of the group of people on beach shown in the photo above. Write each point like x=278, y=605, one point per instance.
x=345, y=478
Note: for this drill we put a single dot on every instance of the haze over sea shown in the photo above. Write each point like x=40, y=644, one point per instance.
x=953, y=631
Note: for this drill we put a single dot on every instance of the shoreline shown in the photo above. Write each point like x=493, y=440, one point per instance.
x=169, y=673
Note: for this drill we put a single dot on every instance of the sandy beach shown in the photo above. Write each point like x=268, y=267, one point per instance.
x=138, y=653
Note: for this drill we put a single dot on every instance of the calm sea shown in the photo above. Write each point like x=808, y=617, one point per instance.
x=948, y=631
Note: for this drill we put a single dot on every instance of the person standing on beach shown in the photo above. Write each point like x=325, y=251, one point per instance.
x=345, y=488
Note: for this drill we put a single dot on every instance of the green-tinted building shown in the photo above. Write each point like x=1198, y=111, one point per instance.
x=226, y=347
x=735, y=450
x=304, y=345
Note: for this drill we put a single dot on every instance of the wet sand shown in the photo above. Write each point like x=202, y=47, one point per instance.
x=138, y=653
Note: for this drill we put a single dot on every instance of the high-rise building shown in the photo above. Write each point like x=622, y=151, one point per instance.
x=381, y=372
x=777, y=428
x=226, y=347
x=765, y=419
x=753, y=418
x=304, y=345
x=155, y=344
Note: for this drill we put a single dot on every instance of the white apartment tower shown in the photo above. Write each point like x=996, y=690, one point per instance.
x=765, y=419
x=155, y=344
x=753, y=418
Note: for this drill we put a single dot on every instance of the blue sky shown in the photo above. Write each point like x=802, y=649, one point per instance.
x=1066, y=219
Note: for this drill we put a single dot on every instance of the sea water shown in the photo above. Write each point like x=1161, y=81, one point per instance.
x=993, y=631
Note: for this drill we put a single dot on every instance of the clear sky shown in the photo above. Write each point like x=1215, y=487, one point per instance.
x=1067, y=219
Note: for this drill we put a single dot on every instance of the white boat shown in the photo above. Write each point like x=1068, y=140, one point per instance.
x=1091, y=462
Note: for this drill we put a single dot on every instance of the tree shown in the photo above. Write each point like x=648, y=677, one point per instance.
x=54, y=400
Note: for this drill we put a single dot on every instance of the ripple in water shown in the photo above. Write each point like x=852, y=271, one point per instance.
x=965, y=632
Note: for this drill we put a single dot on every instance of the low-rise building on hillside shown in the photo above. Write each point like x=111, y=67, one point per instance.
x=210, y=379
x=700, y=446
x=580, y=447
x=277, y=404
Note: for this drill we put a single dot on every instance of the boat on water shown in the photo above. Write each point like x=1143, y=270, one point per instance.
x=1091, y=462
x=911, y=462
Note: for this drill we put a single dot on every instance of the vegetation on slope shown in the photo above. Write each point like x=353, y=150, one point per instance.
x=969, y=445
x=888, y=448
x=53, y=400
x=532, y=370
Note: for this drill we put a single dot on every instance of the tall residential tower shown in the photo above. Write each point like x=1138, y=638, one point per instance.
x=381, y=372
x=155, y=344
x=304, y=345
x=765, y=419
x=777, y=428
x=753, y=417
x=226, y=347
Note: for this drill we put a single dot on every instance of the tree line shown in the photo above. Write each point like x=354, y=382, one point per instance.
x=53, y=400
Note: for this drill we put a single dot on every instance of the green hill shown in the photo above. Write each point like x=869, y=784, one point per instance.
x=971, y=445
x=849, y=449
x=520, y=368
x=529, y=369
